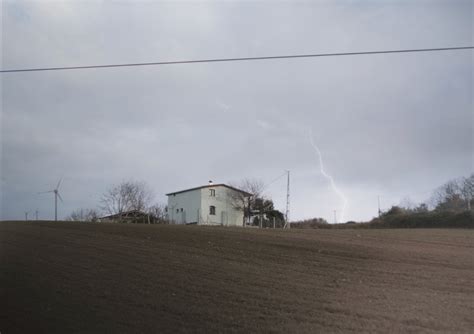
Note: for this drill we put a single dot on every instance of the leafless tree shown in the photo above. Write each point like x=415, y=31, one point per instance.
x=241, y=201
x=88, y=215
x=444, y=192
x=467, y=190
x=157, y=213
x=407, y=203
x=455, y=195
x=252, y=186
x=128, y=195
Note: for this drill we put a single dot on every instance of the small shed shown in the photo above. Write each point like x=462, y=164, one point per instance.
x=131, y=216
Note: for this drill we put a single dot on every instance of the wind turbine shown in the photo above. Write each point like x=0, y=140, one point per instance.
x=56, y=195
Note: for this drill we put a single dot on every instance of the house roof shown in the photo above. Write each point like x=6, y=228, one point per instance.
x=210, y=186
x=130, y=213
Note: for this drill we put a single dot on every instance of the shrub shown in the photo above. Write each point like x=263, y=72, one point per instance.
x=311, y=223
x=431, y=219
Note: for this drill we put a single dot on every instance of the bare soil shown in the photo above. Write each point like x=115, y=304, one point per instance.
x=95, y=278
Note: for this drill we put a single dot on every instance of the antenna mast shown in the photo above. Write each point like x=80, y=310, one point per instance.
x=287, y=214
x=378, y=199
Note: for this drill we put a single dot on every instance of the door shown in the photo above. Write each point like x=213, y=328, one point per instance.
x=224, y=218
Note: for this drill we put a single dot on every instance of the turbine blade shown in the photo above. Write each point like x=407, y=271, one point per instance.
x=44, y=192
x=60, y=197
x=57, y=187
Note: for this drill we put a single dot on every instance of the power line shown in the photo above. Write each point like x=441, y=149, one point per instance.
x=273, y=181
x=215, y=60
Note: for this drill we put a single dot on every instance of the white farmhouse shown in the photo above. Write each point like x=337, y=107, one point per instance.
x=212, y=204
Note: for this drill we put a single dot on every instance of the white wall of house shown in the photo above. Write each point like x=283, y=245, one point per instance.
x=184, y=207
x=225, y=214
x=194, y=206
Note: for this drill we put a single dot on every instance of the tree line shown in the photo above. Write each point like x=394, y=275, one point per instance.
x=455, y=195
x=124, y=197
x=450, y=205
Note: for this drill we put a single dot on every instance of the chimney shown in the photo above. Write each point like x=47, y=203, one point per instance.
x=210, y=182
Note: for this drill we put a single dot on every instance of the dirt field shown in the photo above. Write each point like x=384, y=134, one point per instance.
x=77, y=277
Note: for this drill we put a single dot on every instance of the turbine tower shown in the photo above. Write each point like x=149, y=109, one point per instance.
x=56, y=195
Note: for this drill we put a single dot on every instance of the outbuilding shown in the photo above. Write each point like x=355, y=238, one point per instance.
x=131, y=216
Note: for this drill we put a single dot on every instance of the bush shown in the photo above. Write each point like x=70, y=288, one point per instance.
x=400, y=218
x=311, y=223
x=432, y=219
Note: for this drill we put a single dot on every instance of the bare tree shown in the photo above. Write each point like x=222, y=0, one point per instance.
x=252, y=186
x=444, y=192
x=128, y=195
x=243, y=202
x=157, y=213
x=467, y=190
x=88, y=215
x=407, y=204
x=455, y=195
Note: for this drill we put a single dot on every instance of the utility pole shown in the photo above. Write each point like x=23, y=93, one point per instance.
x=287, y=214
x=335, y=217
x=36, y=214
x=378, y=199
x=26, y=215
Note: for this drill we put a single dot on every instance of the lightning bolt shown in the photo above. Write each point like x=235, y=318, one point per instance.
x=327, y=176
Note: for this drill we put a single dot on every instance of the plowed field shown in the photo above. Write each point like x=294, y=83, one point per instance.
x=78, y=277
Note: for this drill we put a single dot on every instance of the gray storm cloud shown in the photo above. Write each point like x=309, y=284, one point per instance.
x=390, y=125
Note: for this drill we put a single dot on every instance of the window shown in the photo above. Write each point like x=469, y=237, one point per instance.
x=177, y=210
x=181, y=209
x=212, y=210
x=212, y=192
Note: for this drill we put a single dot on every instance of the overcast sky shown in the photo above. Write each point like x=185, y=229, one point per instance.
x=391, y=125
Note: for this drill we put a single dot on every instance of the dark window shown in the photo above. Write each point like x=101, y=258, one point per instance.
x=181, y=209
x=212, y=192
x=177, y=210
x=212, y=210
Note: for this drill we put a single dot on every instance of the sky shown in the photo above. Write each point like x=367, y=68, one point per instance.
x=395, y=126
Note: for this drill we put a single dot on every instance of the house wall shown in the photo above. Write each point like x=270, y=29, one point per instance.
x=225, y=213
x=196, y=207
x=190, y=202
